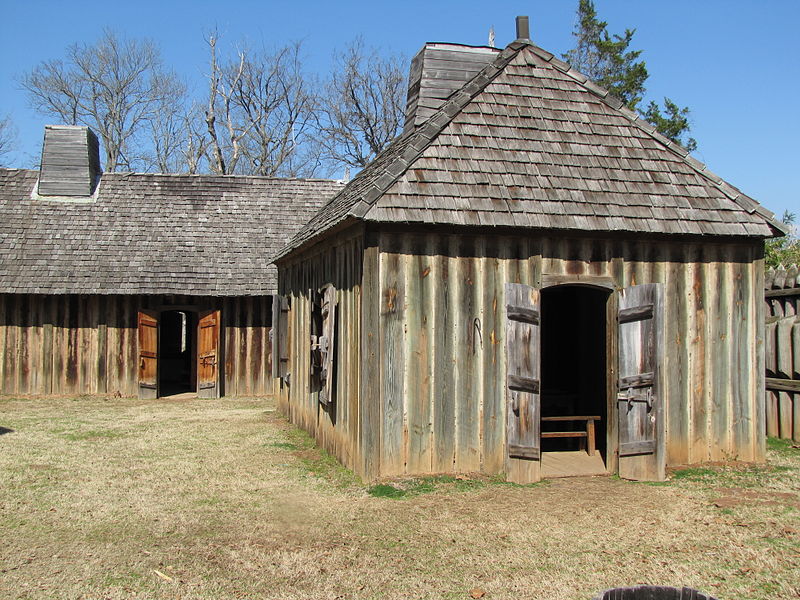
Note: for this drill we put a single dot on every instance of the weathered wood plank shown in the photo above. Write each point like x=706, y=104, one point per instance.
x=370, y=384
x=785, y=415
x=443, y=458
x=757, y=314
x=796, y=350
x=721, y=343
x=787, y=385
x=419, y=291
x=772, y=413
x=770, y=348
x=467, y=356
x=784, y=293
x=738, y=369
x=492, y=368
x=392, y=363
x=784, y=365
x=796, y=416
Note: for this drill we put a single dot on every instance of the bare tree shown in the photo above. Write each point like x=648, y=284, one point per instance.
x=196, y=141
x=8, y=138
x=260, y=113
x=363, y=106
x=117, y=87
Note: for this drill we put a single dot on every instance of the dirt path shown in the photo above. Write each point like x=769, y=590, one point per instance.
x=203, y=499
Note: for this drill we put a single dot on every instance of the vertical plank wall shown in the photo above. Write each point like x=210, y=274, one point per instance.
x=442, y=363
x=782, y=349
x=335, y=426
x=87, y=344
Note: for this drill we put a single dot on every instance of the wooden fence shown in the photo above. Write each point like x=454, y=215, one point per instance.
x=782, y=352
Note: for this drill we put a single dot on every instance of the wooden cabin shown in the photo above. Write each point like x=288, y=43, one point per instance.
x=138, y=283
x=530, y=280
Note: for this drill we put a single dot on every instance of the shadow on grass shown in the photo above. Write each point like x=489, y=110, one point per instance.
x=408, y=488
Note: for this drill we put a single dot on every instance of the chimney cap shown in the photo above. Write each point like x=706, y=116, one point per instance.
x=523, y=29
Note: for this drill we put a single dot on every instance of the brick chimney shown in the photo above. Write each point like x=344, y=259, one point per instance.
x=70, y=161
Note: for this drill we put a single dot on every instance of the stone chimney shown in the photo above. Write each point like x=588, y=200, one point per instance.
x=70, y=161
x=437, y=71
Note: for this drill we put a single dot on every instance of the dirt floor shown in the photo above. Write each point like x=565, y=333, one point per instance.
x=119, y=498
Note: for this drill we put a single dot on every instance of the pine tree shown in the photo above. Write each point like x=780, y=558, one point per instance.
x=674, y=125
x=608, y=61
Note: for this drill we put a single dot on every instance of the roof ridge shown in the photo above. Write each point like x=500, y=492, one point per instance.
x=733, y=193
x=216, y=175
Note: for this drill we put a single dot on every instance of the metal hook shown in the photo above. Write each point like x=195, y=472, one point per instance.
x=476, y=325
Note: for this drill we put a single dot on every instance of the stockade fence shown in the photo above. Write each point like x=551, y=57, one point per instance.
x=782, y=352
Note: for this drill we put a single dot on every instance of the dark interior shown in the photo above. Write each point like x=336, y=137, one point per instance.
x=176, y=372
x=573, y=342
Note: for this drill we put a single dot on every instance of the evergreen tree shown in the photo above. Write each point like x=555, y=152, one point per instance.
x=608, y=61
x=783, y=251
x=674, y=125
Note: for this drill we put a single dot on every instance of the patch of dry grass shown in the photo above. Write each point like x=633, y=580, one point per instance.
x=222, y=499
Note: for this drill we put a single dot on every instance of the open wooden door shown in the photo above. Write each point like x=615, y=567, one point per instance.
x=279, y=336
x=208, y=354
x=148, y=354
x=640, y=400
x=327, y=343
x=523, y=368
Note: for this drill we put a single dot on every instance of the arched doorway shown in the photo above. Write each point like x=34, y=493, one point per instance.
x=574, y=380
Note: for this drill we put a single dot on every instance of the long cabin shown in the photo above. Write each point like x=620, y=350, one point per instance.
x=139, y=284
x=530, y=280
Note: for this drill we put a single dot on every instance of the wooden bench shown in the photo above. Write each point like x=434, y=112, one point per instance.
x=587, y=434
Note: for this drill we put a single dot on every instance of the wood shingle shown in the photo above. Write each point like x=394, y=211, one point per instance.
x=530, y=142
x=151, y=234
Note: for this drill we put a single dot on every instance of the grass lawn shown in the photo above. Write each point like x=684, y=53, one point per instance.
x=120, y=498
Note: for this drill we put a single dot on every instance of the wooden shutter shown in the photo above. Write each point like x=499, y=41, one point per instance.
x=327, y=343
x=208, y=354
x=148, y=354
x=640, y=391
x=523, y=402
x=279, y=334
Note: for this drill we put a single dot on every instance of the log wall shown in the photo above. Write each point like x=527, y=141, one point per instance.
x=335, y=425
x=782, y=351
x=87, y=344
x=442, y=363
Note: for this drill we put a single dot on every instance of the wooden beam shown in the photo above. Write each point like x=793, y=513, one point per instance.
x=782, y=293
x=783, y=385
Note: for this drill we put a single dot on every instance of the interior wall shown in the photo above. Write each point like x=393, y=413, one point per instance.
x=88, y=344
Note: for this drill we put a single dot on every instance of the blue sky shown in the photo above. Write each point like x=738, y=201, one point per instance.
x=734, y=63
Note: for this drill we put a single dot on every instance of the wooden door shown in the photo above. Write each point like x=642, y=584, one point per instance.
x=279, y=336
x=523, y=368
x=640, y=400
x=148, y=354
x=208, y=354
x=327, y=343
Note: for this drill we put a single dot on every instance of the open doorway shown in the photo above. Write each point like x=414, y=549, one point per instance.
x=177, y=372
x=574, y=413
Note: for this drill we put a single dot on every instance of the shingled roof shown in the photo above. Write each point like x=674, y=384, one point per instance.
x=152, y=234
x=530, y=142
